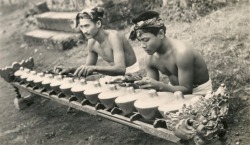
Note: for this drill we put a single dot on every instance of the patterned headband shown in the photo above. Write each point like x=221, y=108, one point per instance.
x=155, y=22
x=90, y=13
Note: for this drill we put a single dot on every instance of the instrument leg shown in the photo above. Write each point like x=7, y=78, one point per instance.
x=20, y=102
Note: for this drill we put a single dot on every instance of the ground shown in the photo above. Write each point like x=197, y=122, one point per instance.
x=221, y=37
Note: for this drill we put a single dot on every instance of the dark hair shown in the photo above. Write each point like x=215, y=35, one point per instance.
x=149, y=15
x=94, y=15
x=145, y=16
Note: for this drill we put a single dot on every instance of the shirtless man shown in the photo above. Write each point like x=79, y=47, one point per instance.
x=184, y=66
x=111, y=45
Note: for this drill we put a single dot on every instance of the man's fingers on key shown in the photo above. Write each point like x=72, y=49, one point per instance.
x=136, y=77
x=64, y=72
x=57, y=69
x=141, y=82
x=80, y=73
x=77, y=71
x=85, y=72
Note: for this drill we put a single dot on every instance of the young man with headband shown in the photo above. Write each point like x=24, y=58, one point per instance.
x=184, y=66
x=111, y=45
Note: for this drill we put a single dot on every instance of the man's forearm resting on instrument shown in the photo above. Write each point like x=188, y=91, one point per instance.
x=169, y=88
x=110, y=70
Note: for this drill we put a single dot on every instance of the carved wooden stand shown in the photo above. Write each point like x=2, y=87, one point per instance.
x=156, y=128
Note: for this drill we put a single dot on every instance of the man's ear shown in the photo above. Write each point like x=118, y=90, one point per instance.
x=161, y=34
x=99, y=24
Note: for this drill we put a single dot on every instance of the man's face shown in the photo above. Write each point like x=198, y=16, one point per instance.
x=149, y=42
x=88, y=28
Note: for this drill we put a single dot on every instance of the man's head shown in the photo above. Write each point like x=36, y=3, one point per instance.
x=90, y=20
x=149, y=29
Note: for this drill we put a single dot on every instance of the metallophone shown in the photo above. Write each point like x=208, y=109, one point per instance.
x=181, y=119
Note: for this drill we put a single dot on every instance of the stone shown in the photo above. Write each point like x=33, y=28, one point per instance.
x=59, y=21
x=52, y=39
x=42, y=6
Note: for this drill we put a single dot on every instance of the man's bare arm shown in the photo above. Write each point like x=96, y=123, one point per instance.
x=91, y=59
x=92, y=56
x=185, y=75
x=184, y=61
x=119, y=66
x=151, y=71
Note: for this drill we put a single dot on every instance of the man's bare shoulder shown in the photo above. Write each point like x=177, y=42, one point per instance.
x=116, y=40
x=115, y=34
x=150, y=60
x=91, y=44
x=183, y=51
x=180, y=47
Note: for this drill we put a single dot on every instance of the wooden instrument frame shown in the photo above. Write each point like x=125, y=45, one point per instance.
x=156, y=127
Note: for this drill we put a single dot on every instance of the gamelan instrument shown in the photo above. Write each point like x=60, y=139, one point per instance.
x=172, y=116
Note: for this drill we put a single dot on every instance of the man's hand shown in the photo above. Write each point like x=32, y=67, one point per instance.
x=149, y=83
x=133, y=77
x=62, y=70
x=84, y=71
x=127, y=78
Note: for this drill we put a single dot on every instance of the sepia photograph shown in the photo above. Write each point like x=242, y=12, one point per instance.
x=125, y=72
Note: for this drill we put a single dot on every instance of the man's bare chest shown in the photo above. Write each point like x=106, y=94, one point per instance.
x=166, y=66
x=105, y=52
